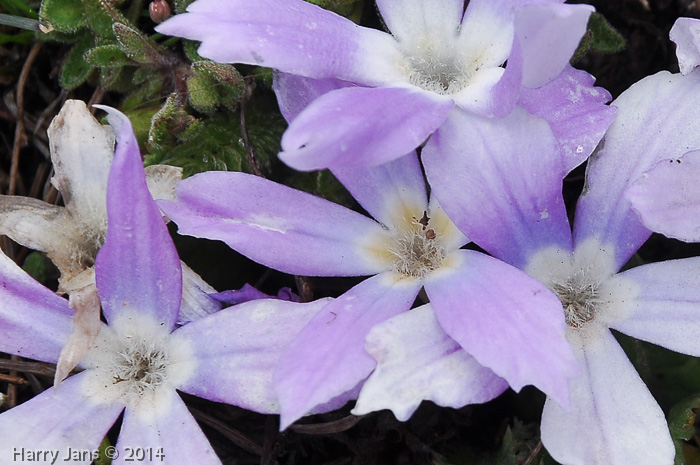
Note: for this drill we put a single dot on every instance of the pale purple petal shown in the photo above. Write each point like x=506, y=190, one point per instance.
x=236, y=350
x=248, y=293
x=172, y=432
x=549, y=35
x=358, y=126
x=292, y=36
x=574, y=109
x=502, y=188
x=138, y=266
x=386, y=189
x=651, y=125
x=410, y=21
x=685, y=33
x=34, y=322
x=488, y=27
x=196, y=302
x=294, y=93
x=278, y=226
x=665, y=306
x=613, y=419
x=507, y=320
x=328, y=357
x=55, y=420
x=417, y=361
x=667, y=197
x=81, y=151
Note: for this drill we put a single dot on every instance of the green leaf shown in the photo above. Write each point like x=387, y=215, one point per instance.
x=76, y=69
x=101, y=15
x=212, y=84
x=201, y=91
x=103, y=458
x=181, y=5
x=18, y=7
x=107, y=56
x=600, y=37
x=138, y=47
x=349, y=8
x=63, y=15
x=212, y=142
x=606, y=39
x=35, y=266
x=681, y=421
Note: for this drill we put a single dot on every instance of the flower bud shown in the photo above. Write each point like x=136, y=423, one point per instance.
x=159, y=11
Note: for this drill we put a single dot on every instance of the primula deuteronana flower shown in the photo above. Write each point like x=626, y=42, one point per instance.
x=384, y=94
x=667, y=197
x=613, y=419
x=480, y=301
x=82, y=151
x=141, y=356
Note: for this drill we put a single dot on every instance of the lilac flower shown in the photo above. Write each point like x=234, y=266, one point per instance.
x=613, y=418
x=479, y=301
x=82, y=151
x=667, y=197
x=381, y=95
x=140, y=357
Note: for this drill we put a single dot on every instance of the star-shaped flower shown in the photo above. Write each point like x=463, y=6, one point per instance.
x=613, y=419
x=377, y=96
x=82, y=151
x=140, y=357
x=410, y=244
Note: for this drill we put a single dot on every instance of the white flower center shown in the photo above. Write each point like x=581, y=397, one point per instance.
x=437, y=71
x=133, y=361
x=584, y=281
x=416, y=248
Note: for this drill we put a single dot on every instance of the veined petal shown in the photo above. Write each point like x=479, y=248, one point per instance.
x=507, y=320
x=548, y=35
x=358, y=126
x=413, y=20
x=667, y=197
x=275, y=225
x=53, y=421
x=603, y=427
x=328, y=356
x=502, y=188
x=196, y=302
x=294, y=93
x=685, y=33
x=175, y=434
x=48, y=228
x=666, y=305
x=387, y=189
x=81, y=151
x=292, y=36
x=236, y=350
x=651, y=125
x=138, y=266
x=416, y=361
x=575, y=110
x=34, y=322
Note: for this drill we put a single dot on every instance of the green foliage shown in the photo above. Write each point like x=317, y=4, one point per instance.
x=138, y=47
x=18, y=8
x=35, y=266
x=76, y=69
x=349, y=8
x=213, y=84
x=600, y=37
x=107, y=56
x=101, y=16
x=682, y=422
x=103, y=459
x=212, y=142
x=63, y=15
